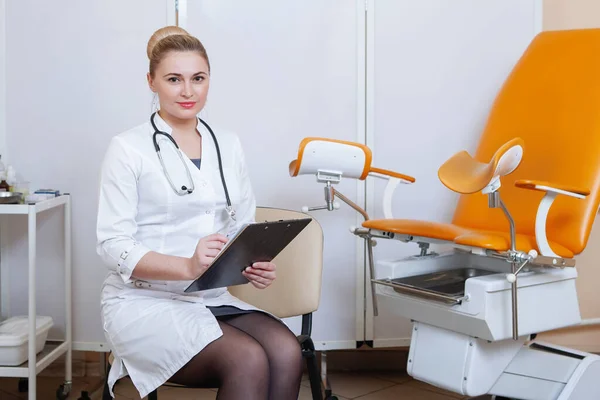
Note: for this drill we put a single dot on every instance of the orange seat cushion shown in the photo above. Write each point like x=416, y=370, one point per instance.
x=428, y=229
x=498, y=241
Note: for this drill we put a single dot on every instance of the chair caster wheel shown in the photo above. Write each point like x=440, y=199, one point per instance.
x=332, y=398
x=23, y=385
x=85, y=396
x=62, y=393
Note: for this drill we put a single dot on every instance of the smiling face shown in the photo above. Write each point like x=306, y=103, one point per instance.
x=181, y=80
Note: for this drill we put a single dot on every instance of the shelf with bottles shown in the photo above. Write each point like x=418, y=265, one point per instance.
x=10, y=183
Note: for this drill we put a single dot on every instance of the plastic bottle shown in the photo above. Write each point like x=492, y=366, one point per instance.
x=2, y=169
x=11, y=177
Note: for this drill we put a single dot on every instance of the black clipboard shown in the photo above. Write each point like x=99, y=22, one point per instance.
x=254, y=242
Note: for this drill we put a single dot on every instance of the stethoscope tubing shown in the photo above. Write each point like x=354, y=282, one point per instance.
x=184, y=189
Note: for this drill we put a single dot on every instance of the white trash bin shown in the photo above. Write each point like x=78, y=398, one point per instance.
x=14, y=334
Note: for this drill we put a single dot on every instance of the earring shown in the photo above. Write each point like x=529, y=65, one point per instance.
x=155, y=103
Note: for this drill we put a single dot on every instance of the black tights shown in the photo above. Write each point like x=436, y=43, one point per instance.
x=257, y=357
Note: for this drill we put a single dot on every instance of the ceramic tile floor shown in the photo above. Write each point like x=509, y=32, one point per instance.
x=363, y=386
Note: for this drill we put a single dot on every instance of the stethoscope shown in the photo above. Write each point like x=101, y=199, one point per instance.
x=185, y=189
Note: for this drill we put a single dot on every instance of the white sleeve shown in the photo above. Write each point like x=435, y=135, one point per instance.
x=246, y=210
x=117, y=209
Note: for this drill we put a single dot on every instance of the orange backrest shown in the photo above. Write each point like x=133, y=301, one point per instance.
x=552, y=101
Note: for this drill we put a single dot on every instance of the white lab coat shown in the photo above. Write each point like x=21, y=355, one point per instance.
x=153, y=327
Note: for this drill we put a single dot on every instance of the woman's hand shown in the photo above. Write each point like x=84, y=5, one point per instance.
x=206, y=250
x=260, y=274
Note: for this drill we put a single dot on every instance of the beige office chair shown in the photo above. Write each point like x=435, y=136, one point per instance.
x=295, y=292
x=297, y=289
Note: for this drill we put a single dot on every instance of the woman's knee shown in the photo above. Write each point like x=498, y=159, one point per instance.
x=243, y=367
x=286, y=351
x=249, y=360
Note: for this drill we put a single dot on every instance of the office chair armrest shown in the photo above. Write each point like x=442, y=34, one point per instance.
x=551, y=190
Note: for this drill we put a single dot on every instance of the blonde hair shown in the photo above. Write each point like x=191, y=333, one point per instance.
x=172, y=38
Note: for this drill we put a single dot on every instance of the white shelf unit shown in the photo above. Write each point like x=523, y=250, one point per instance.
x=53, y=349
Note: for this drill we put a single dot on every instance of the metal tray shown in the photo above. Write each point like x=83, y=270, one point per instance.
x=450, y=283
x=10, y=197
x=446, y=286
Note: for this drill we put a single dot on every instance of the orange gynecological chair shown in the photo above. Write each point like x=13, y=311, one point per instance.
x=528, y=198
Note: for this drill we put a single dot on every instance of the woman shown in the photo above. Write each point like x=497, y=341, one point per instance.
x=156, y=238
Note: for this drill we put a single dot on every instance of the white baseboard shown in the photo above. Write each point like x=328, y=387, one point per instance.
x=335, y=345
x=319, y=345
x=91, y=346
x=383, y=343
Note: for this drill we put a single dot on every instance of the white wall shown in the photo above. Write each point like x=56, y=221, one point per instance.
x=4, y=284
x=282, y=71
x=77, y=77
x=79, y=73
x=2, y=78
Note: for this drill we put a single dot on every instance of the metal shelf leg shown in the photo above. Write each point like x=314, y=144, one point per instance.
x=31, y=364
x=68, y=284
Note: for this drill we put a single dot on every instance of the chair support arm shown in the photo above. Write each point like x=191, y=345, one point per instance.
x=388, y=194
x=551, y=190
x=547, y=187
x=393, y=178
x=379, y=171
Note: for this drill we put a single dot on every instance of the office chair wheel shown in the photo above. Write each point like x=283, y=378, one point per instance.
x=62, y=393
x=332, y=398
x=23, y=385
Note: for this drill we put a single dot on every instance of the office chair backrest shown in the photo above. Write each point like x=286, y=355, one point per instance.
x=552, y=101
x=297, y=288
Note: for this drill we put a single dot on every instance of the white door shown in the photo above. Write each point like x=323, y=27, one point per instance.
x=282, y=71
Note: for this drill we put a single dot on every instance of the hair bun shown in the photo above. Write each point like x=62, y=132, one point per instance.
x=161, y=34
